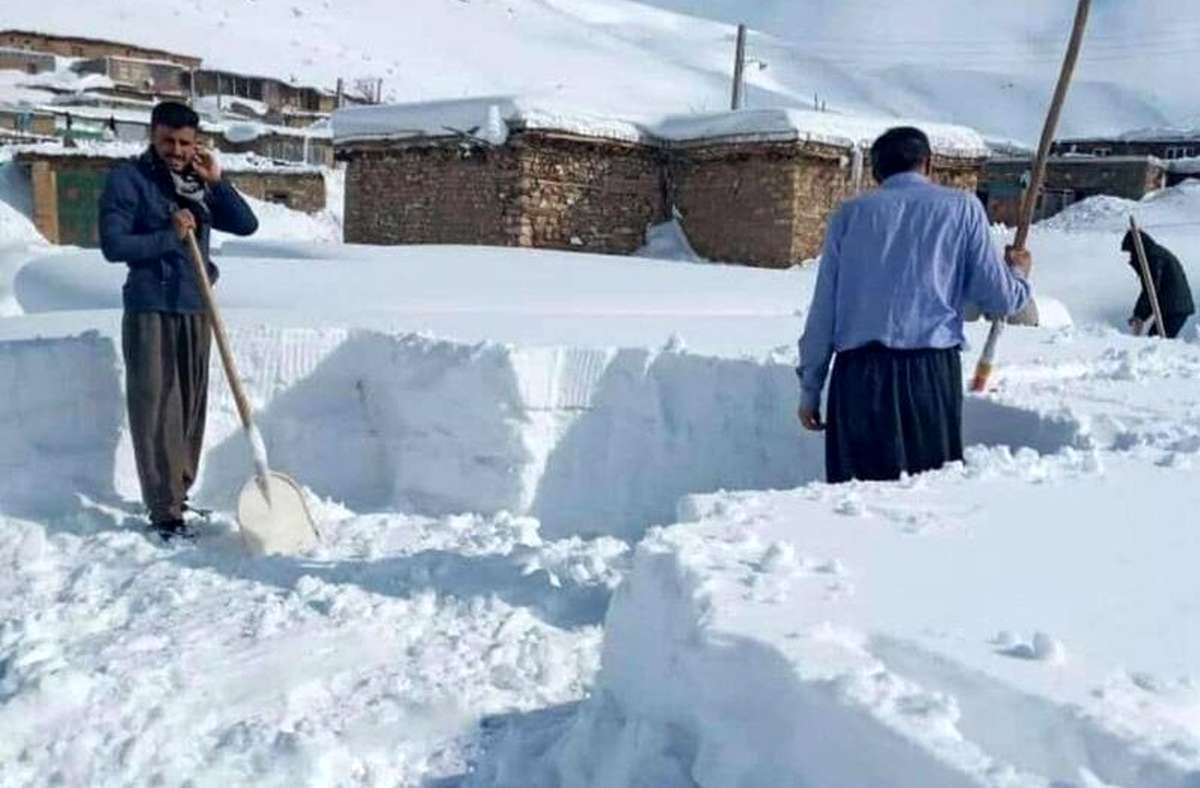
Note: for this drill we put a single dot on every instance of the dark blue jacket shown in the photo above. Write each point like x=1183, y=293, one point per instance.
x=136, y=229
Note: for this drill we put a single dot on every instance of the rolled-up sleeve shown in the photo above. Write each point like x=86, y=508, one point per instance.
x=816, y=344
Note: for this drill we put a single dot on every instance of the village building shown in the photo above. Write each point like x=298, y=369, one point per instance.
x=275, y=94
x=22, y=124
x=749, y=187
x=1165, y=144
x=67, y=183
x=1069, y=179
x=12, y=59
x=80, y=47
x=759, y=186
x=137, y=76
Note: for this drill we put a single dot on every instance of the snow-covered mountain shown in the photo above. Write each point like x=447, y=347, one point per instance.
x=991, y=67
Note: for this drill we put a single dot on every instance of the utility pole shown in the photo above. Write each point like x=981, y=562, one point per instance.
x=341, y=87
x=739, y=69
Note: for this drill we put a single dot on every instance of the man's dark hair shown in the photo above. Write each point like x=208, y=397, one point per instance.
x=900, y=149
x=174, y=115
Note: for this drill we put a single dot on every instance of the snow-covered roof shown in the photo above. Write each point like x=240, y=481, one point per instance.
x=1149, y=134
x=491, y=118
x=1079, y=158
x=1189, y=166
x=96, y=149
x=830, y=128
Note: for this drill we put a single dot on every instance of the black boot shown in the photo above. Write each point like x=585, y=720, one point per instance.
x=172, y=529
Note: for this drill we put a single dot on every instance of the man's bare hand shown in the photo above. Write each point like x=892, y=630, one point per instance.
x=207, y=166
x=811, y=419
x=184, y=223
x=1020, y=260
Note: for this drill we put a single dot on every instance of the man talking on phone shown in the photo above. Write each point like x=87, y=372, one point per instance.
x=149, y=207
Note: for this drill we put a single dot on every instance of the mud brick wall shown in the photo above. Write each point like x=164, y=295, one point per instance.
x=594, y=196
x=758, y=203
x=543, y=191
x=300, y=191
x=763, y=204
x=432, y=194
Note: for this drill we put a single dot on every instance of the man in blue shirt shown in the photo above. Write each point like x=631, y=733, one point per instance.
x=898, y=266
x=148, y=208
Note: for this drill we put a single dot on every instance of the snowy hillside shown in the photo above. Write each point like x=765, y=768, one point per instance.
x=620, y=57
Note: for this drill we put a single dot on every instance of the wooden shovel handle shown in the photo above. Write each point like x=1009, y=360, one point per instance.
x=983, y=369
x=218, y=328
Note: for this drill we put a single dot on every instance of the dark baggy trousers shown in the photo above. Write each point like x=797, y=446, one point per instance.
x=893, y=411
x=166, y=392
x=1174, y=323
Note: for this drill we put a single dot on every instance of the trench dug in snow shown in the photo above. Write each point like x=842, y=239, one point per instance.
x=587, y=441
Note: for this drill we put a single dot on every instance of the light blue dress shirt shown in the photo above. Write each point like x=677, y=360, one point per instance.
x=898, y=265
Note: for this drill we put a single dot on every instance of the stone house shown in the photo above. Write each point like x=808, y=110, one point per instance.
x=12, y=59
x=275, y=94
x=748, y=187
x=80, y=47
x=1069, y=179
x=1165, y=144
x=759, y=187
x=134, y=75
x=67, y=183
x=22, y=121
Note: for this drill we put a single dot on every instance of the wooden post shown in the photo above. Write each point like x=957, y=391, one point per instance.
x=1147, y=278
x=983, y=369
x=739, y=69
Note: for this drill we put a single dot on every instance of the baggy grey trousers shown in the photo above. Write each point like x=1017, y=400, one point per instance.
x=166, y=393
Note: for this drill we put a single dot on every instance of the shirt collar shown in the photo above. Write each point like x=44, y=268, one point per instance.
x=904, y=179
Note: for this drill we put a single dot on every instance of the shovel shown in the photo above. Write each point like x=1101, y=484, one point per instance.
x=271, y=509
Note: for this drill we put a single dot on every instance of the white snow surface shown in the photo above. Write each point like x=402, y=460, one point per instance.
x=988, y=68
x=439, y=119
x=498, y=442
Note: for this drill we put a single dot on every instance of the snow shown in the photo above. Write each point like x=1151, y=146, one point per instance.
x=489, y=438
x=450, y=118
x=572, y=535
x=991, y=69
x=764, y=617
x=800, y=124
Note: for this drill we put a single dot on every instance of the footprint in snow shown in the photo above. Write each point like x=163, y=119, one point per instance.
x=1043, y=648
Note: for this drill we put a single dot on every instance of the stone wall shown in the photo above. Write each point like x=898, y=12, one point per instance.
x=763, y=203
x=595, y=196
x=434, y=193
x=298, y=191
x=543, y=191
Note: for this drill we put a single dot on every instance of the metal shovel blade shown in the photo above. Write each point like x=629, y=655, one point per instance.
x=277, y=522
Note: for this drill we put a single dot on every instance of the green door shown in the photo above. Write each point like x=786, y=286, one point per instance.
x=78, y=212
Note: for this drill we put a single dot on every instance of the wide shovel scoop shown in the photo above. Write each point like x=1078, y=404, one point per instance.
x=271, y=509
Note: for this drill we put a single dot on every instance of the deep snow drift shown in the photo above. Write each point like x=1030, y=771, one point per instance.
x=497, y=440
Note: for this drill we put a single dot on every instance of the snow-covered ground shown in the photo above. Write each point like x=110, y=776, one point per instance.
x=495, y=440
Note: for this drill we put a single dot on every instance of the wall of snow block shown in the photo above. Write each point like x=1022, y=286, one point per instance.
x=586, y=440
x=62, y=412
x=589, y=441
